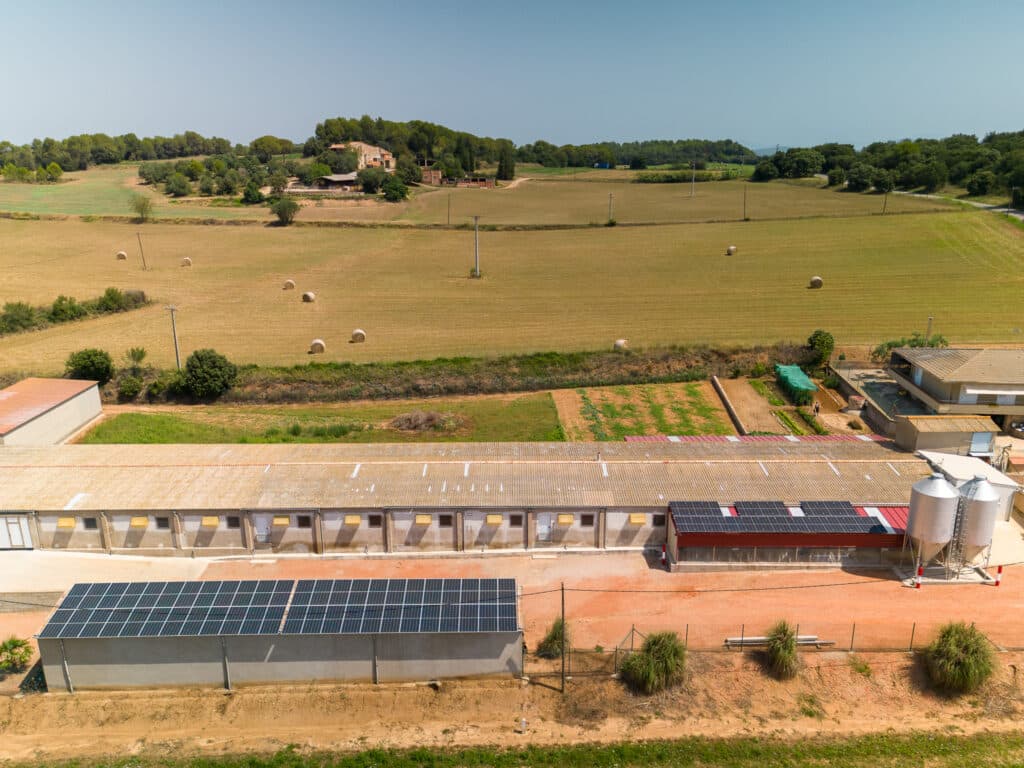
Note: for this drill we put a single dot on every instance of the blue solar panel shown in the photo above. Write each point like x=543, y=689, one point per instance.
x=342, y=606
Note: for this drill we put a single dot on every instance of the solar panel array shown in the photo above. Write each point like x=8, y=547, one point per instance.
x=270, y=607
x=772, y=517
x=371, y=606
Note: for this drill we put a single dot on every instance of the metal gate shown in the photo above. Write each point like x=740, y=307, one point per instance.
x=544, y=520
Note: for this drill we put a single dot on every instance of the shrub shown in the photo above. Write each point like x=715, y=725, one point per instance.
x=112, y=300
x=15, y=654
x=178, y=186
x=142, y=205
x=551, y=646
x=960, y=659
x=854, y=424
x=167, y=383
x=128, y=388
x=395, y=190
x=658, y=665
x=780, y=656
x=91, y=364
x=295, y=429
x=252, y=194
x=17, y=316
x=759, y=369
x=208, y=374
x=65, y=309
x=837, y=176
x=810, y=421
x=285, y=210
x=831, y=381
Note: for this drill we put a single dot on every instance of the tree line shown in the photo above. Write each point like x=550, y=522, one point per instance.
x=995, y=164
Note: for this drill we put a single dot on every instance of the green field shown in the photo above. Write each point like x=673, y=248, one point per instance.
x=107, y=191
x=541, y=290
x=993, y=750
x=488, y=419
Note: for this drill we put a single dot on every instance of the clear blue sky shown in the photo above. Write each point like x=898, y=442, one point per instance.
x=788, y=72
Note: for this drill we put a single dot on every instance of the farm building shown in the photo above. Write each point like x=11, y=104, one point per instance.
x=394, y=498
x=146, y=634
x=965, y=435
x=987, y=382
x=343, y=181
x=369, y=155
x=46, y=411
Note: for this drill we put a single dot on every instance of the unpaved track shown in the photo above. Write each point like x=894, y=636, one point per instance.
x=726, y=695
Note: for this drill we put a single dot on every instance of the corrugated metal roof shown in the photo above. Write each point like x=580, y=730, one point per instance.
x=966, y=468
x=981, y=366
x=29, y=398
x=130, y=477
x=952, y=423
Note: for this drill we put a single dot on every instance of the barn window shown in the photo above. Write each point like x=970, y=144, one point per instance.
x=163, y=523
x=659, y=520
x=376, y=521
x=304, y=521
x=515, y=521
x=587, y=521
x=444, y=521
x=90, y=523
x=234, y=521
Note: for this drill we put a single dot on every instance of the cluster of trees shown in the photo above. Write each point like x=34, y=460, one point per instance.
x=41, y=175
x=76, y=153
x=636, y=154
x=993, y=164
x=224, y=174
x=206, y=376
x=18, y=316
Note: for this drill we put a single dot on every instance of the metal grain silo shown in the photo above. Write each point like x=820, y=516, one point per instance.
x=933, y=504
x=980, y=511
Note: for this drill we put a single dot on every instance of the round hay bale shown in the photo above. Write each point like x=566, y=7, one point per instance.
x=289, y=285
x=186, y=262
x=731, y=250
x=317, y=347
x=358, y=336
x=309, y=297
x=122, y=256
x=816, y=282
x=621, y=344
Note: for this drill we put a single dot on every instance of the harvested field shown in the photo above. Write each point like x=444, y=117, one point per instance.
x=611, y=413
x=410, y=290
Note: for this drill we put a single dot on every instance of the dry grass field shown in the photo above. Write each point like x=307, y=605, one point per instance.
x=541, y=290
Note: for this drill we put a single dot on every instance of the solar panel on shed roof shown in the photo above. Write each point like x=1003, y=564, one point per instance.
x=344, y=606
x=836, y=508
x=170, y=609
x=385, y=606
x=761, y=509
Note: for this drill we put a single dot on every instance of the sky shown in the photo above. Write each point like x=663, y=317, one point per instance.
x=762, y=73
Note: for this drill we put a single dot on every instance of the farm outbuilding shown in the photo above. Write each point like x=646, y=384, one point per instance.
x=227, y=633
x=206, y=500
x=966, y=435
x=46, y=411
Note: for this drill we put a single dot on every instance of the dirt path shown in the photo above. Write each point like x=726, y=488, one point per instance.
x=515, y=182
x=754, y=411
x=725, y=695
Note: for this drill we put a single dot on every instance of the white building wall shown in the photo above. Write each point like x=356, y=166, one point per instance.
x=57, y=424
x=15, y=532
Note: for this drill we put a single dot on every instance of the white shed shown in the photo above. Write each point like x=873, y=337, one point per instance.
x=46, y=411
x=959, y=469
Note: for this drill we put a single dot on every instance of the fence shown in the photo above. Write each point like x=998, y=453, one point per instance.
x=850, y=637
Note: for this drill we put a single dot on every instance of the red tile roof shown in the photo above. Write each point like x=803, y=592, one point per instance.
x=29, y=398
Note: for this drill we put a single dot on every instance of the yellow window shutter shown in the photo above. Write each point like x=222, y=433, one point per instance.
x=65, y=522
x=565, y=519
x=637, y=518
x=424, y=519
x=139, y=522
x=282, y=521
x=210, y=521
x=494, y=519
x=353, y=519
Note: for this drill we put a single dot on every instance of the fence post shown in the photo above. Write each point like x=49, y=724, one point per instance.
x=853, y=633
x=632, y=633
x=743, y=628
x=686, y=638
x=913, y=629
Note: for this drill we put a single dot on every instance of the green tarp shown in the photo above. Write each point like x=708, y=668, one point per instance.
x=794, y=379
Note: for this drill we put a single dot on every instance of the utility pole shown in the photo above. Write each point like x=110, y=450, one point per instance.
x=174, y=332
x=693, y=177
x=141, y=253
x=476, y=246
x=564, y=636
x=885, y=201
x=610, y=196
x=449, y=209
x=744, y=202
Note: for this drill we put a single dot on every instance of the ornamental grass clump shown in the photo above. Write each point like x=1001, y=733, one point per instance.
x=551, y=646
x=960, y=659
x=781, y=657
x=659, y=664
